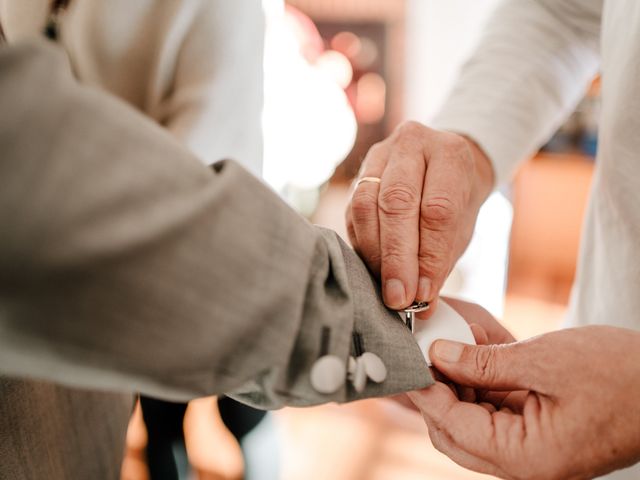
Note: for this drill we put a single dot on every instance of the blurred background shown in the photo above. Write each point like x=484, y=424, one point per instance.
x=339, y=76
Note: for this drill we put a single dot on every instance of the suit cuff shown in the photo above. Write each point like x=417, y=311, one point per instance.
x=353, y=304
x=384, y=334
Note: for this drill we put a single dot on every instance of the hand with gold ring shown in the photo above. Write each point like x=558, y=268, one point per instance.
x=414, y=208
x=367, y=179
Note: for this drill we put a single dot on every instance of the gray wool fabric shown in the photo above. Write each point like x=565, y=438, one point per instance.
x=127, y=266
x=51, y=431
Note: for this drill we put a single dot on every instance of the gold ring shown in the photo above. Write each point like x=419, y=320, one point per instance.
x=368, y=179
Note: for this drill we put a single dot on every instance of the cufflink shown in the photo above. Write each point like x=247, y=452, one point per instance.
x=410, y=313
x=357, y=374
x=365, y=365
x=375, y=368
x=328, y=372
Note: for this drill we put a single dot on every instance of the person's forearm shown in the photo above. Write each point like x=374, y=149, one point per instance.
x=531, y=67
x=127, y=264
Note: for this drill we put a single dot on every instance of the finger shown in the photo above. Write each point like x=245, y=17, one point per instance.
x=348, y=220
x=494, y=398
x=479, y=334
x=466, y=394
x=488, y=407
x=452, y=387
x=491, y=367
x=399, y=214
x=433, y=306
x=362, y=219
x=437, y=376
x=446, y=192
x=515, y=401
x=465, y=431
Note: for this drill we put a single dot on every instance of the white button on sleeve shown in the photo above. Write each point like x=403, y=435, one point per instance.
x=328, y=374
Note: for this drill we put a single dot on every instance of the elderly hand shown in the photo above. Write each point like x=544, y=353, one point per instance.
x=413, y=226
x=572, y=411
x=486, y=330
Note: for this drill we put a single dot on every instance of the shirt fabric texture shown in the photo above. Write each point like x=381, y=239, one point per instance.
x=534, y=63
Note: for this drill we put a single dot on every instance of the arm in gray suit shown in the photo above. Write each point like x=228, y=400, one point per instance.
x=125, y=264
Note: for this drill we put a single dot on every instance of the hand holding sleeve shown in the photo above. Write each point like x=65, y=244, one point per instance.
x=126, y=264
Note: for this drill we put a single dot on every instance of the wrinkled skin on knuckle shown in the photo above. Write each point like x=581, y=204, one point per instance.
x=399, y=200
x=485, y=363
x=394, y=258
x=439, y=212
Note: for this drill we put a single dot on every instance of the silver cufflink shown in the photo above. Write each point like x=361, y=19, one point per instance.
x=410, y=313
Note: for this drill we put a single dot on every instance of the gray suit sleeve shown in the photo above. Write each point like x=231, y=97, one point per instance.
x=127, y=265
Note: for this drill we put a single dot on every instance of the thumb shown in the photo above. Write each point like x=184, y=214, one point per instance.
x=490, y=367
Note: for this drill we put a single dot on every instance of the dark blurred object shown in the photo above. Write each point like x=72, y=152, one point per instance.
x=239, y=418
x=164, y=421
x=164, y=429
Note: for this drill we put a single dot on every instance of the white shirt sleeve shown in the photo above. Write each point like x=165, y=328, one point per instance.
x=533, y=64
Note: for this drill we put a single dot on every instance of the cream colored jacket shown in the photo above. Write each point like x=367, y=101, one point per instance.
x=188, y=64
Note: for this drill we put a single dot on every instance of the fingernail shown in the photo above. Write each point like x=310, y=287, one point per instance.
x=394, y=295
x=424, y=289
x=448, y=351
